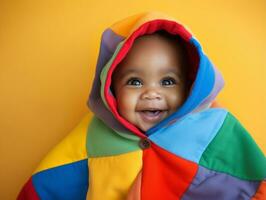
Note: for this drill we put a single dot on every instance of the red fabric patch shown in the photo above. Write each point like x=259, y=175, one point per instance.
x=28, y=192
x=165, y=175
x=147, y=28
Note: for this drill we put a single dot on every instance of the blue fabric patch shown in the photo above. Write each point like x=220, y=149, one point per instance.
x=190, y=136
x=66, y=182
x=202, y=87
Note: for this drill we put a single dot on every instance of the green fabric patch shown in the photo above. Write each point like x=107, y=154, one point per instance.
x=233, y=151
x=104, y=141
x=105, y=71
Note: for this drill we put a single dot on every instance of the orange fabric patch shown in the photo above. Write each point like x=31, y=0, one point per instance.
x=261, y=192
x=215, y=104
x=134, y=192
x=165, y=175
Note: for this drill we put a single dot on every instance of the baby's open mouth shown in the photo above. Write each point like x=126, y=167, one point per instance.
x=152, y=112
x=152, y=115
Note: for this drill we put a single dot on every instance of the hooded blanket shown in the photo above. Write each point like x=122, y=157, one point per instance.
x=200, y=152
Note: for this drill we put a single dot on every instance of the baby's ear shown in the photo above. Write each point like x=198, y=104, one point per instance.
x=112, y=90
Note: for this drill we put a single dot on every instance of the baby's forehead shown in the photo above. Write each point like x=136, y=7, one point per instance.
x=156, y=48
x=161, y=42
x=162, y=35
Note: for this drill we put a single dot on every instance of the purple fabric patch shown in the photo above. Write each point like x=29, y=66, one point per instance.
x=109, y=42
x=209, y=185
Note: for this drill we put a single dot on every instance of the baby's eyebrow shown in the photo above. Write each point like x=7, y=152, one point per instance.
x=129, y=71
x=172, y=72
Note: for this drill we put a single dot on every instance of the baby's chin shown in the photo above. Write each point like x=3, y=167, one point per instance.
x=144, y=127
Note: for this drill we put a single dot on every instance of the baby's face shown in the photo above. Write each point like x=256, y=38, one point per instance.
x=150, y=83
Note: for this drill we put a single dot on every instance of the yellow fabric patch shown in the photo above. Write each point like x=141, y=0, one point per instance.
x=128, y=25
x=71, y=149
x=111, y=177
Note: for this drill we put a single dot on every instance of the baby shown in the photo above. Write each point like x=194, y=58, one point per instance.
x=156, y=132
x=151, y=82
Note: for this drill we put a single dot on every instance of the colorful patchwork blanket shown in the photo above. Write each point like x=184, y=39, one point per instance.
x=200, y=152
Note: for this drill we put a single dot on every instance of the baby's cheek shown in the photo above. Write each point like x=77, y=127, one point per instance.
x=176, y=100
x=126, y=102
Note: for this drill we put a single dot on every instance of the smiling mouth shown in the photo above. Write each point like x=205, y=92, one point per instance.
x=152, y=116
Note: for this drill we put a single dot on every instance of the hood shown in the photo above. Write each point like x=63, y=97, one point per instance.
x=117, y=40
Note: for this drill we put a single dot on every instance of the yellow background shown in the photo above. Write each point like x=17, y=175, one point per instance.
x=48, y=51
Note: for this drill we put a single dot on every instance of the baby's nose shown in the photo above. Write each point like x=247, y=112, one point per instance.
x=151, y=94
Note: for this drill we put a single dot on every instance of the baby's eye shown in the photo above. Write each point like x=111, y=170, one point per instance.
x=134, y=82
x=168, y=82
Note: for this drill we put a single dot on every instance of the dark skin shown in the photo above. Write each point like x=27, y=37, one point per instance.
x=151, y=82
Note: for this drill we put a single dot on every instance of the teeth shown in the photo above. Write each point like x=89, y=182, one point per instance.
x=152, y=112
